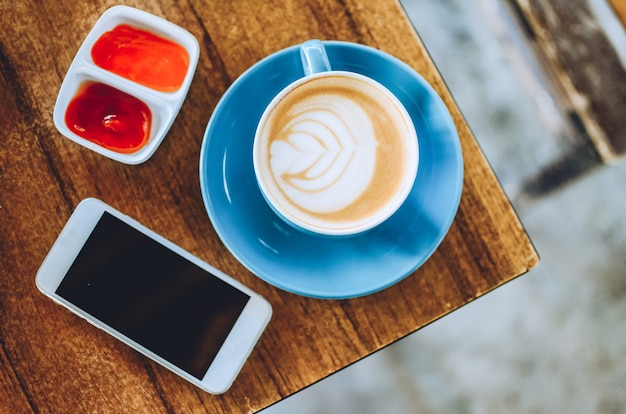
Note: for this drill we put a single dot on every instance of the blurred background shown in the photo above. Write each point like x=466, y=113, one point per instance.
x=554, y=340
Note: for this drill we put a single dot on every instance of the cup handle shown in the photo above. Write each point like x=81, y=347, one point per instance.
x=314, y=58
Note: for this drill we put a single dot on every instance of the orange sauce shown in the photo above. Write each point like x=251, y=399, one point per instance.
x=142, y=57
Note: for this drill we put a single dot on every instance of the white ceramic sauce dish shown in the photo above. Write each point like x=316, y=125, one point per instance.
x=164, y=106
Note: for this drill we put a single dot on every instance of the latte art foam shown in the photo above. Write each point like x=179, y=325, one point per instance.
x=323, y=159
x=335, y=151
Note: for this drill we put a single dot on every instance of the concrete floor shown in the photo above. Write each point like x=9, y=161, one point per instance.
x=552, y=341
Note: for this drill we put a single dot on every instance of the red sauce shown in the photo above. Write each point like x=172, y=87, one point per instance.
x=108, y=117
x=142, y=57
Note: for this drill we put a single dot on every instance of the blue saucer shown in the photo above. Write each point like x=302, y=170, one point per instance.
x=319, y=266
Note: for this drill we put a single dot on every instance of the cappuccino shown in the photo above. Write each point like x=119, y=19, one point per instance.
x=335, y=153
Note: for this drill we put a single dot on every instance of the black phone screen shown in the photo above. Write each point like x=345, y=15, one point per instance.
x=152, y=295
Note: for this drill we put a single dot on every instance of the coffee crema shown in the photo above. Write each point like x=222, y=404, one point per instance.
x=335, y=152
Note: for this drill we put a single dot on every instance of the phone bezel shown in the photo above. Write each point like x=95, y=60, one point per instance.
x=240, y=341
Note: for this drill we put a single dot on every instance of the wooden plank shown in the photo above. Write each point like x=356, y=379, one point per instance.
x=584, y=65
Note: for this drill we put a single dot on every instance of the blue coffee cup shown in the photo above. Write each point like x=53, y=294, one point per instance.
x=335, y=152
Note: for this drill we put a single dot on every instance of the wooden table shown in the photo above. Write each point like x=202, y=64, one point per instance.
x=52, y=361
x=619, y=6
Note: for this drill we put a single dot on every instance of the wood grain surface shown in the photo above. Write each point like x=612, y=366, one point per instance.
x=53, y=362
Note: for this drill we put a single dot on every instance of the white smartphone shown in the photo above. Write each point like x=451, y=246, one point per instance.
x=154, y=296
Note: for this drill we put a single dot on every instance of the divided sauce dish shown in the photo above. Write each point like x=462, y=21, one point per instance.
x=163, y=102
